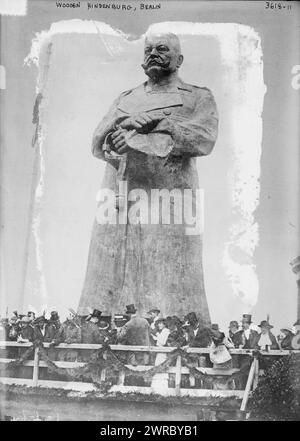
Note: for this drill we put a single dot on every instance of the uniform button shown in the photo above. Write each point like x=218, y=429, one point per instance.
x=167, y=112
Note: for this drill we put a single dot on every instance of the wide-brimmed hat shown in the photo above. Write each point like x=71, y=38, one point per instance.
x=297, y=323
x=130, y=309
x=265, y=324
x=103, y=325
x=155, y=309
x=120, y=317
x=247, y=318
x=233, y=323
x=288, y=328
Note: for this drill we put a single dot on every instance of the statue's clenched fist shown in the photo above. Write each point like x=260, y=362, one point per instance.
x=119, y=141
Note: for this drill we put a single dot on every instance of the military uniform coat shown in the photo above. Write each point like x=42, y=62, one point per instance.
x=142, y=263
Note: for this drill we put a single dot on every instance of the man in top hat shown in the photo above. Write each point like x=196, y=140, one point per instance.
x=267, y=339
x=136, y=332
x=90, y=330
x=69, y=333
x=196, y=336
x=249, y=337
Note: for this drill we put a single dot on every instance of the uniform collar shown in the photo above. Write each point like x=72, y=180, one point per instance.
x=173, y=86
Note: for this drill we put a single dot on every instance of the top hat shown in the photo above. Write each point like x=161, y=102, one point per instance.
x=96, y=313
x=155, y=309
x=54, y=316
x=247, y=318
x=265, y=324
x=233, y=323
x=297, y=322
x=130, y=309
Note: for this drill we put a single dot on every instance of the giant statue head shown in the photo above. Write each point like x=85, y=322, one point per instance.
x=162, y=55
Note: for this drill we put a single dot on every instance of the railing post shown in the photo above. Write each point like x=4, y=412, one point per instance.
x=256, y=374
x=35, y=375
x=178, y=375
x=121, y=378
x=103, y=374
x=248, y=386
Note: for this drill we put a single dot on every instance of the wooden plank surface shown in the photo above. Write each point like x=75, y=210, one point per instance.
x=87, y=387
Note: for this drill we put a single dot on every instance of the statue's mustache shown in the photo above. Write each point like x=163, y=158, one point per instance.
x=156, y=61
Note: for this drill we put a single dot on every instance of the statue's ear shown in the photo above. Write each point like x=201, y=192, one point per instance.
x=180, y=60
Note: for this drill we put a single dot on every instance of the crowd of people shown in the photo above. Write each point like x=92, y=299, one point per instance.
x=132, y=329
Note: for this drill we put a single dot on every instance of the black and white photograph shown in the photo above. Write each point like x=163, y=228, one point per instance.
x=149, y=171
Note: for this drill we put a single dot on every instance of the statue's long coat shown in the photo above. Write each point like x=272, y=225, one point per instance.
x=153, y=265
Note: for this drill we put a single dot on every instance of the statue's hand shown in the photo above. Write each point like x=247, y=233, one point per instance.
x=142, y=122
x=119, y=142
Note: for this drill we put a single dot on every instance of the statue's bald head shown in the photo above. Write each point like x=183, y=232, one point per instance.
x=162, y=54
x=169, y=38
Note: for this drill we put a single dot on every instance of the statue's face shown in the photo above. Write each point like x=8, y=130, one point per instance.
x=161, y=57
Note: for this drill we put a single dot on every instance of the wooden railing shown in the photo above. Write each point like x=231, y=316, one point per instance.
x=178, y=370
